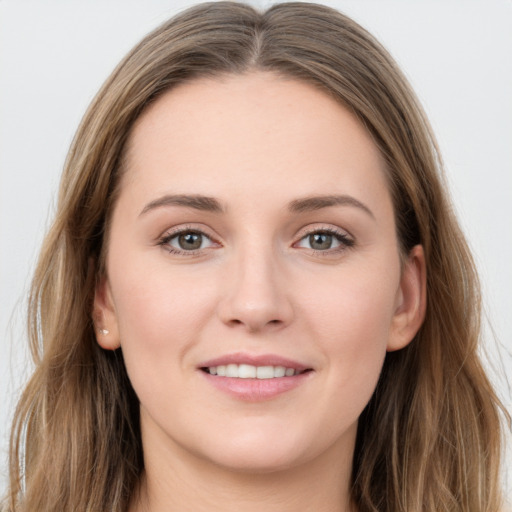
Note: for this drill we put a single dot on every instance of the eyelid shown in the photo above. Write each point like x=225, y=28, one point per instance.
x=169, y=234
x=326, y=228
x=345, y=239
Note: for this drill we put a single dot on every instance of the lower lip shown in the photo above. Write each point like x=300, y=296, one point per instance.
x=256, y=390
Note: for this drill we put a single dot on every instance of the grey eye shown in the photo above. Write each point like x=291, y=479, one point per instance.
x=320, y=241
x=325, y=240
x=190, y=241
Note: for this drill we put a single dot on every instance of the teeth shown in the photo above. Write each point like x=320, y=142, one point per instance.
x=247, y=371
x=280, y=371
x=264, y=372
x=232, y=370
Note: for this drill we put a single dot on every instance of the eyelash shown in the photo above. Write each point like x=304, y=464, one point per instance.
x=164, y=241
x=344, y=240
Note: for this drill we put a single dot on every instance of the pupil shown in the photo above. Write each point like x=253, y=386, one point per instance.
x=320, y=241
x=190, y=241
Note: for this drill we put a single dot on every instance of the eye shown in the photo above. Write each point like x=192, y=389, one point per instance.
x=184, y=241
x=325, y=240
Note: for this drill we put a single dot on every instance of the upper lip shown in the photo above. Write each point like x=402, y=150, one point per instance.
x=255, y=360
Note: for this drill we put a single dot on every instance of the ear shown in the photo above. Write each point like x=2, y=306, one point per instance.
x=411, y=301
x=105, y=317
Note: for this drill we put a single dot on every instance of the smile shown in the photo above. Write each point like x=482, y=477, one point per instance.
x=255, y=378
x=248, y=371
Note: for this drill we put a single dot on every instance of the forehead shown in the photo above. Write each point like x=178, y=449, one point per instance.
x=251, y=134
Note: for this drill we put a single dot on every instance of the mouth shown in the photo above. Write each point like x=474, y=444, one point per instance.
x=249, y=371
x=255, y=378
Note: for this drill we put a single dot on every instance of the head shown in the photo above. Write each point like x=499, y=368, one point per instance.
x=414, y=417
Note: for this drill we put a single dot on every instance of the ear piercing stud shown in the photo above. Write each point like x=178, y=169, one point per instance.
x=104, y=332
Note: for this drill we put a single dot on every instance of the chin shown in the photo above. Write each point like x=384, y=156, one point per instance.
x=260, y=452
x=256, y=462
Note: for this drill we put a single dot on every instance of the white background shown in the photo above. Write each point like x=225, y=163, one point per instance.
x=54, y=55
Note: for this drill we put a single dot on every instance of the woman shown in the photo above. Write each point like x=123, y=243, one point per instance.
x=254, y=292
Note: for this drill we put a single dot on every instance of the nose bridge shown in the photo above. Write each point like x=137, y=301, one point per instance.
x=254, y=294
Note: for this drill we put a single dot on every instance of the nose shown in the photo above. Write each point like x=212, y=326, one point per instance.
x=256, y=293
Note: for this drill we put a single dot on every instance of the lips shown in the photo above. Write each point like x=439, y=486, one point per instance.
x=249, y=371
x=239, y=365
x=254, y=378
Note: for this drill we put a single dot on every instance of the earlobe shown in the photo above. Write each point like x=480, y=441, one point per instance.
x=411, y=301
x=104, y=317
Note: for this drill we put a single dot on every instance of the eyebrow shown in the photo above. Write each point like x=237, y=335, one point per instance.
x=210, y=204
x=318, y=202
x=197, y=202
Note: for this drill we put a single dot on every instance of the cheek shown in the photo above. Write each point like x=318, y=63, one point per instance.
x=352, y=320
x=159, y=314
x=353, y=309
x=158, y=304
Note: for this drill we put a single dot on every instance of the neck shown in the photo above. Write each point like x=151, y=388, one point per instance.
x=181, y=481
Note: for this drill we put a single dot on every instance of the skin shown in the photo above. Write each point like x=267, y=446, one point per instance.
x=255, y=143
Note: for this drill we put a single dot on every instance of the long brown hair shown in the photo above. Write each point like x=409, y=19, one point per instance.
x=430, y=438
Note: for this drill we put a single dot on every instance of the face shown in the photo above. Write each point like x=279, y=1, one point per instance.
x=253, y=280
